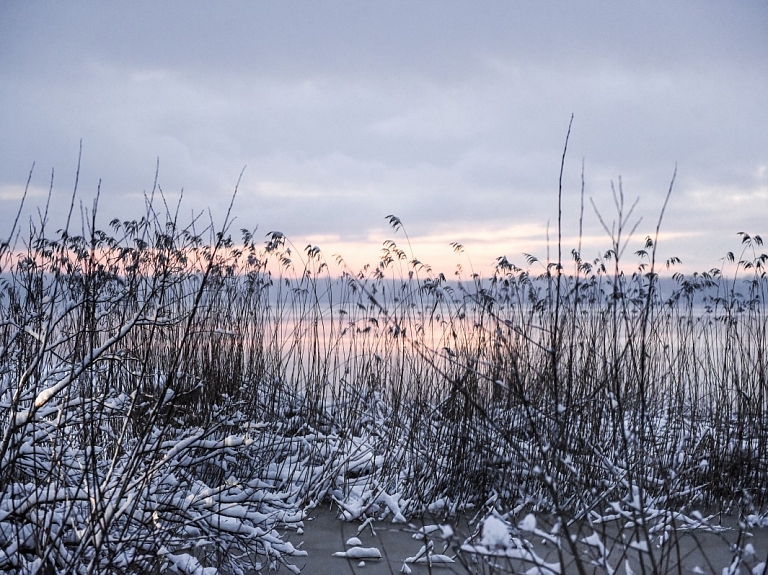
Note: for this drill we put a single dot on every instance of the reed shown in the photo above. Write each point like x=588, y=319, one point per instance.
x=164, y=385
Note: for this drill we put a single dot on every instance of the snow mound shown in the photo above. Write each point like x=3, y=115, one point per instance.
x=359, y=553
x=528, y=523
x=495, y=533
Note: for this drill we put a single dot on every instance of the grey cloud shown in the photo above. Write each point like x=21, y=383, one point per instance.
x=449, y=114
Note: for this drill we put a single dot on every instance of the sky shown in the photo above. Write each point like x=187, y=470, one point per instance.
x=450, y=115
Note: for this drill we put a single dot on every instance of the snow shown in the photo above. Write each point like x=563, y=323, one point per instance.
x=495, y=533
x=754, y=520
x=438, y=505
x=185, y=564
x=435, y=558
x=426, y=530
x=359, y=553
x=528, y=523
x=520, y=550
x=354, y=541
x=443, y=531
x=367, y=523
x=392, y=502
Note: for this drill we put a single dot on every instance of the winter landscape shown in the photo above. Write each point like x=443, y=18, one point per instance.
x=343, y=287
x=183, y=397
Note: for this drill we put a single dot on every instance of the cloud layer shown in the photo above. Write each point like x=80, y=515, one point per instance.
x=451, y=115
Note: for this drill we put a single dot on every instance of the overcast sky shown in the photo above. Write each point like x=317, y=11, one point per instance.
x=450, y=115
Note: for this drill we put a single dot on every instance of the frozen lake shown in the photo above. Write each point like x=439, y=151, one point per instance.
x=325, y=535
